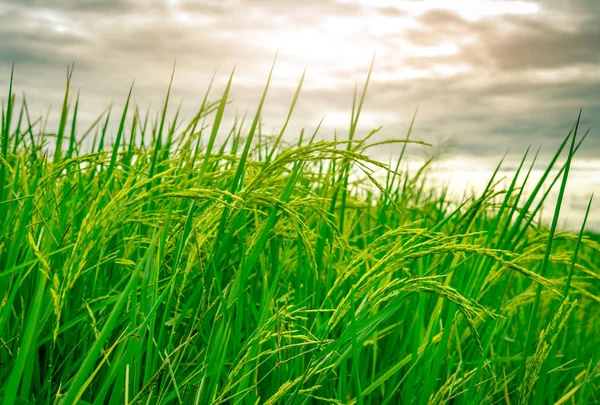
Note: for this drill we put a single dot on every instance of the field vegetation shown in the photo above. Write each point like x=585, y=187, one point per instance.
x=182, y=261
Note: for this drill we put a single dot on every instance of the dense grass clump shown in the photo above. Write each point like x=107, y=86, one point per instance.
x=177, y=262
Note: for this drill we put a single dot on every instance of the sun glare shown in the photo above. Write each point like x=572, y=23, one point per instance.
x=354, y=40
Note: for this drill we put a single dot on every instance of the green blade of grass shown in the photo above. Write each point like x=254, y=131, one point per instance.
x=533, y=318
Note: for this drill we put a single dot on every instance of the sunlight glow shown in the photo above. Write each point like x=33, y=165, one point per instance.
x=313, y=45
x=371, y=120
x=55, y=20
x=444, y=70
x=356, y=39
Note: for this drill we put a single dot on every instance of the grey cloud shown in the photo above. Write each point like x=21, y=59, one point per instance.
x=109, y=7
x=176, y=42
x=438, y=25
x=545, y=46
x=37, y=47
x=509, y=43
x=116, y=41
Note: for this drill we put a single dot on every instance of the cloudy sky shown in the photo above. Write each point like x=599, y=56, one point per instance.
x=485, y=76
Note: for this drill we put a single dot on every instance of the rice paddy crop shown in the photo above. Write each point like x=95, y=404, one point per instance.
x=180, y=261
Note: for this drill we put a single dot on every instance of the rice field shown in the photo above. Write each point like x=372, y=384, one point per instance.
x=180, y=261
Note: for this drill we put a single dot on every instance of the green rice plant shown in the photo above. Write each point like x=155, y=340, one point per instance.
x=178, y=261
